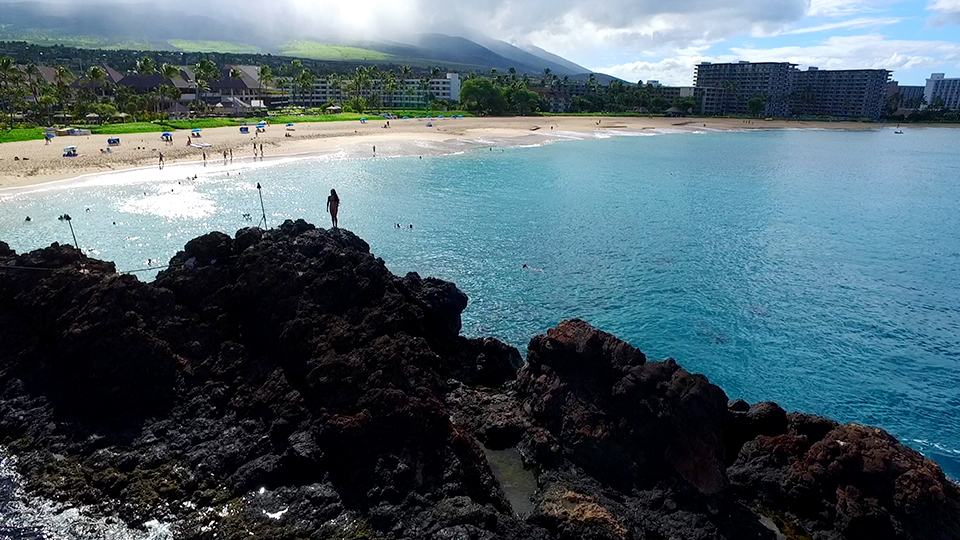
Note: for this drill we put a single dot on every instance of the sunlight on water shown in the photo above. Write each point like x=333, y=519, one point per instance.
x=29, y=518
x=183, y=203
x=817, y=269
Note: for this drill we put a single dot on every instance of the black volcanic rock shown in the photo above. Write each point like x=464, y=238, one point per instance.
x=623, y=419
x=290, y=370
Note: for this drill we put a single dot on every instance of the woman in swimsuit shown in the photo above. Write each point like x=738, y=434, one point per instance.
x=333, y=204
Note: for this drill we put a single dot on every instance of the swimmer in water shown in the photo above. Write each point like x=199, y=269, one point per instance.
x=532, y=268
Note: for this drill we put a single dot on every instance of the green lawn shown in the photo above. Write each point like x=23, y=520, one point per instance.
x=325, y=51
x=130, y=127
x=213, y=46
x=421, y=113
x=300, y=119
x=29, y=134
x=20, y=134
x=201, y=123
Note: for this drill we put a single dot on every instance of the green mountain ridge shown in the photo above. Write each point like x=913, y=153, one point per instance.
x=123, y=26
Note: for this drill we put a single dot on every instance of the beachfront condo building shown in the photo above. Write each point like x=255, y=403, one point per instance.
x=941, y=89
x=412, y=93
x=846, y=93
x=738, y=82
x=910, y=97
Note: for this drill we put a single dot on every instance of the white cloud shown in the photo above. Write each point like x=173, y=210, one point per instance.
x=946, y=12
x=870, y=51
x=845, y=8
x=670, y=71
x=862, y=22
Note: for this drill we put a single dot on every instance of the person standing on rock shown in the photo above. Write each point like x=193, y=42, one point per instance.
x=333, y=205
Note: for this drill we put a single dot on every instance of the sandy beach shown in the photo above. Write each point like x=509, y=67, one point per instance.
x=33, y=162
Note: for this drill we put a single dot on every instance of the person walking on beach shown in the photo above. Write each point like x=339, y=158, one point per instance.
x=261, y=151
x=333, y=205
x=161, y=161
x=204, y=158
x=231, y=155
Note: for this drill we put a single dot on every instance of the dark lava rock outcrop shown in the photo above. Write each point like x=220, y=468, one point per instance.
x=284, y=384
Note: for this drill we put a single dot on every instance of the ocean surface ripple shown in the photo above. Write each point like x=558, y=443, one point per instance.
x=818, y=269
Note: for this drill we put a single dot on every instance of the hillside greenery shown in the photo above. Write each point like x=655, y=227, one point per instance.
x=223, y=47
x=324, y=51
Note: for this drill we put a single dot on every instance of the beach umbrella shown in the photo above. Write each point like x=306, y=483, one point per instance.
x=195, y=130
x=92, y=116
x=290, y=125
x=166, y=134
x=363, y=119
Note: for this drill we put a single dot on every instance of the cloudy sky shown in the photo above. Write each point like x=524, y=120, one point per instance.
x=664, y=39
x=632, y=39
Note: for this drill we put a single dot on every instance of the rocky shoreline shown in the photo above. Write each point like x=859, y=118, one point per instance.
x=284, y=384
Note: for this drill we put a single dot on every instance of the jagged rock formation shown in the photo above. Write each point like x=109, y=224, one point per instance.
x=284, y=384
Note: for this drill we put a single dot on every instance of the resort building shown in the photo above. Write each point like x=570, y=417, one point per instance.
x=551, y=101
x=911, y=97
x=412, y=93
x=849, y=93
x=939, y=88
x=738, y=82
x=707, y=98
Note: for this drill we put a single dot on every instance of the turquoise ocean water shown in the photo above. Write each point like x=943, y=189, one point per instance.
x=818, y=269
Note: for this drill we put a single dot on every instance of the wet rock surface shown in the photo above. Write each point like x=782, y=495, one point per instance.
x=284, y=384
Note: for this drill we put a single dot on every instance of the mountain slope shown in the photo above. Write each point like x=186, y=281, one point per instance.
x=162, y=27
x=567, y=65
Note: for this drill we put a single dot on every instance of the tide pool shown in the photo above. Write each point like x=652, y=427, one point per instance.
x=818, y=269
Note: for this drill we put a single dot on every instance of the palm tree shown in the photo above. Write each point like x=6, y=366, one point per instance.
x=361, y=79
x=436, y=73
x=305, y=81
x=146, y=66
x=169, y=71
x=97, y=76
x=204, y=72
x=11, y=79
x=390, y=85
x=335, y=81
x=63, y=79
x=34, y=80
x=406, y=72
x=264, y=77
x=546, y=77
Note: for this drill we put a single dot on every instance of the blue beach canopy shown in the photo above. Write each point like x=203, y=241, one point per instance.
x=166, y=134
x=441, y=116
x=289, y=125
x=406, y=117
x=429, y=116
x=195, y=130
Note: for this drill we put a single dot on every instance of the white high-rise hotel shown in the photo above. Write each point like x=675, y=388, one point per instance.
x=946, y=89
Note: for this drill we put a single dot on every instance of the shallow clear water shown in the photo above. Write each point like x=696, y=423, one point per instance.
x=818, y=269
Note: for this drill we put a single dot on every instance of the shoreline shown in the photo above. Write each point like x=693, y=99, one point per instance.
x=27, y=165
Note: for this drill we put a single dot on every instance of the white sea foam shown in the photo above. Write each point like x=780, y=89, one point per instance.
x=31, y=517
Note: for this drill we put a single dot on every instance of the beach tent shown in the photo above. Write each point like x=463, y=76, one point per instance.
x=406, y=117
x=441, y=116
